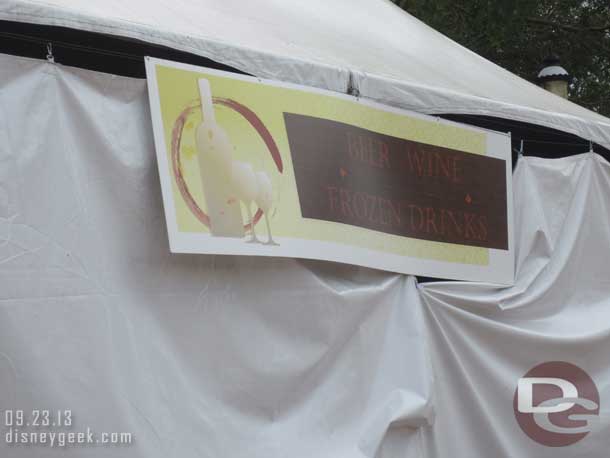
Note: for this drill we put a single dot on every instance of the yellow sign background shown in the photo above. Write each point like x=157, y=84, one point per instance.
x=178, y=89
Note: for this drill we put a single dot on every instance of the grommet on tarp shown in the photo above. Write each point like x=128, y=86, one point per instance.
x=50, y=57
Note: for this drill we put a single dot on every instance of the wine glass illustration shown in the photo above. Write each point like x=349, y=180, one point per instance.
x=245, y=187
x=264, y=200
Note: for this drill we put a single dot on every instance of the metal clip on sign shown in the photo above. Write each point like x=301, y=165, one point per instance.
x=50, y=57
x=352, y=86
x=520, y=152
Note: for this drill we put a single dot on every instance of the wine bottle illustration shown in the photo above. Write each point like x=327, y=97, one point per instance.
x=215, y=163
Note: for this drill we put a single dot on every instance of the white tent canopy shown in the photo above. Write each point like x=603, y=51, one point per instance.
x=391, y=56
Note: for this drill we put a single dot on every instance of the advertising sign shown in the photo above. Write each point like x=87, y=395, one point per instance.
x=255, y=167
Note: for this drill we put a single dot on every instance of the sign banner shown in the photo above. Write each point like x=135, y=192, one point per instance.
x=254, y=167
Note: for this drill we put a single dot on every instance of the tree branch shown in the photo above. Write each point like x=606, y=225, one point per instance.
x=568, y=27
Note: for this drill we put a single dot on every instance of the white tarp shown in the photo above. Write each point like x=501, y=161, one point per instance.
x=392, y=57
x=482, y=339
x=195, y=358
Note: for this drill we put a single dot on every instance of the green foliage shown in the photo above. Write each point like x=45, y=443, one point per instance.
x=519, y=34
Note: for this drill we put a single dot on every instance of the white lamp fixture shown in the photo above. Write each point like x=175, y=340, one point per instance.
x=553, y=77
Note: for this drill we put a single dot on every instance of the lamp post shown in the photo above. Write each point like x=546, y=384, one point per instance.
x=553, y=77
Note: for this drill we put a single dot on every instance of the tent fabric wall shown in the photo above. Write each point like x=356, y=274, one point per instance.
x=235, y=356
x=483, y=338
x=387, y=54
x=195, y=355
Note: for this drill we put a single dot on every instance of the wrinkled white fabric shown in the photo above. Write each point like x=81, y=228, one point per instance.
x=194, y=355
x=262, y=357
x=392, y=57
x=484, y=339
